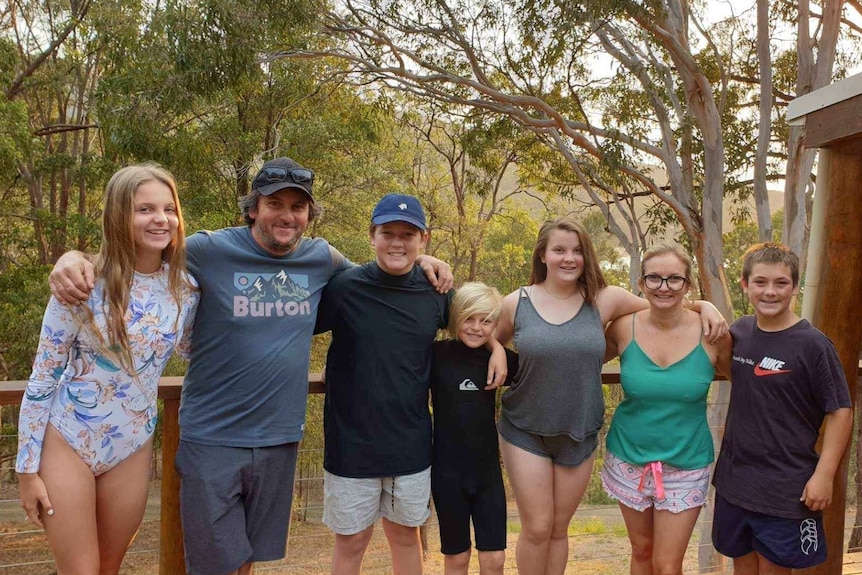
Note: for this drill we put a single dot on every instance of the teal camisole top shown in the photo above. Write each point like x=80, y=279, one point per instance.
x=663, y=414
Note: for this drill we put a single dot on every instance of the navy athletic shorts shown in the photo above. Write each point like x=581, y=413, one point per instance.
x=789, y=543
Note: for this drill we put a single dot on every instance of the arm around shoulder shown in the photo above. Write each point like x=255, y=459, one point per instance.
x=714, y=324
x=72, y=278
x=339, y=262
x=613, y=302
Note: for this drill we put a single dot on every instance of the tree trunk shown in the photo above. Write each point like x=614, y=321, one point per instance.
x=810, y=75
x=764, y=58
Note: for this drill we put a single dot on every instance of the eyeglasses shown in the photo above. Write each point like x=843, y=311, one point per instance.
x=275, y=174
x=674, y=283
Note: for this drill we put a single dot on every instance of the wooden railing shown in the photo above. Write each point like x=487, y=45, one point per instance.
x=171, y=559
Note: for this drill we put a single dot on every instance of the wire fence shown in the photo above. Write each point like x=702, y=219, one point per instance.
x=598, y=544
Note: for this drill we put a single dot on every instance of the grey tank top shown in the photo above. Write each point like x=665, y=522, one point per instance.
x=558, y=387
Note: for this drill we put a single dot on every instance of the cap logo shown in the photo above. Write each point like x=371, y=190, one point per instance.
x=402, y=206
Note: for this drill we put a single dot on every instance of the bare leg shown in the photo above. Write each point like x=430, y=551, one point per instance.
x=532, y=479
x=457, y=564
x=121, y=499
x=491, y=562
x=570, y=484
x=674, y=531
x=756, y=564
x=71, y=485
x=767, y=567
x=349, y=551
x=639, y=525
x=746, y=565
x=405, y=547
x=245, y=569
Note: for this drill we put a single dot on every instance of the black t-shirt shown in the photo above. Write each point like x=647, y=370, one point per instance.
x=465, y=435
x=376, y=420
x=783, y=385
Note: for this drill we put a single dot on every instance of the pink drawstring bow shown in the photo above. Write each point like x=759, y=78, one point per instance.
x=655, y=468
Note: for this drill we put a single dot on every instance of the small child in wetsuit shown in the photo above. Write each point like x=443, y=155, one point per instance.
x=466, y=480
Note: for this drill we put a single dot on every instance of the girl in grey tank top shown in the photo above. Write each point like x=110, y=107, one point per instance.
x=558, y=388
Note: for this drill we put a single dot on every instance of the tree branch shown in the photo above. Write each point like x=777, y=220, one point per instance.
x=17, y=84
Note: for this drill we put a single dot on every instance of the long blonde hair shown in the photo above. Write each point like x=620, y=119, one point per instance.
x=115, y=262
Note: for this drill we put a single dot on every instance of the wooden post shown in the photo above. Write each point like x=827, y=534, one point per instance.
x=171, y=556
x=836, y=312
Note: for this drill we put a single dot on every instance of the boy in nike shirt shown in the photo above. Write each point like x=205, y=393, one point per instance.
x=771, y=486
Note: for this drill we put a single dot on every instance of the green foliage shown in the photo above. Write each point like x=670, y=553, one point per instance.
x=8, y=442
x=507, y=251
x=25, y=294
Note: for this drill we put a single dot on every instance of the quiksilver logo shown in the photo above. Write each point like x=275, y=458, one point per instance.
x=468, y=385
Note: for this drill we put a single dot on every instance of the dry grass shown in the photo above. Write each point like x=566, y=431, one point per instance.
x=597, y=545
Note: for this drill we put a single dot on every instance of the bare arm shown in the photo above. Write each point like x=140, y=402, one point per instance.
x=439, y=273
x=506, y=326
x=72, y=278
x=498, y=365
x=612, y=347
x=614, y=302
x=723, y=352
x=714, y=324
x=817, y=493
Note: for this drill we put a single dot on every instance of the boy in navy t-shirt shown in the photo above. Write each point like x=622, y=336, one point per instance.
x=771, y=485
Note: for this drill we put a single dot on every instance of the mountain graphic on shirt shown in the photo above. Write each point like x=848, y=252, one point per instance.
x=278, y=287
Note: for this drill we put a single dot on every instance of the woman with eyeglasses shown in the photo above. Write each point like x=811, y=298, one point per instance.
x=554, y=409
x=659, y=447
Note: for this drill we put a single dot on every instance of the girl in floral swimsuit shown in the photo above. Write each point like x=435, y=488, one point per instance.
x=89, y=411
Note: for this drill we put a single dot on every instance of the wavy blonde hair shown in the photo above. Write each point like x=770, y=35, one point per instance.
x=470, y=299
x=115, y=262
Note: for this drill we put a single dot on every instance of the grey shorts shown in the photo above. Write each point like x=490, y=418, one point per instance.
x=351, y=505
x=561, y=449
x=234, y=503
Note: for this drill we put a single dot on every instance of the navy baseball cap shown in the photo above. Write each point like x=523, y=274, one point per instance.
x=398, y=208
x=282, y=173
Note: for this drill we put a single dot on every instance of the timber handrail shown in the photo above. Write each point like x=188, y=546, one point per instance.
x=171, y=559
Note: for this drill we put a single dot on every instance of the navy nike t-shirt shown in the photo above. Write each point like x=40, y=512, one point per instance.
x=784, y=383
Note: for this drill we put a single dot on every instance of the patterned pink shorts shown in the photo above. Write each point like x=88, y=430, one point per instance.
x=635, y=486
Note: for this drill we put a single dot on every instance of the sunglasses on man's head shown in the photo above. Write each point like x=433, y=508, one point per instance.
x=272, y=175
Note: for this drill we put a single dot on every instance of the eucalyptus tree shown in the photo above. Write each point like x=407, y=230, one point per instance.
x=464, y=170
x=51, y=77
x=824, y=40
x=536, y=62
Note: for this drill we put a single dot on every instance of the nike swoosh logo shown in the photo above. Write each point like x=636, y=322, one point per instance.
x=760, y=372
